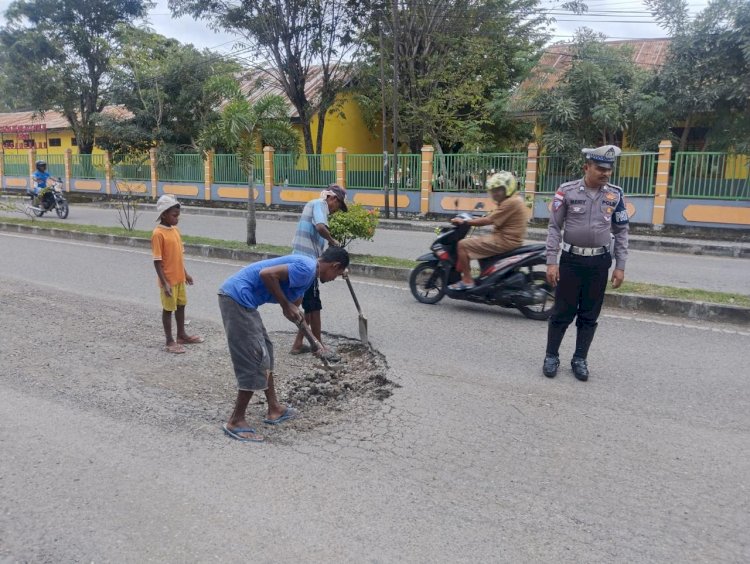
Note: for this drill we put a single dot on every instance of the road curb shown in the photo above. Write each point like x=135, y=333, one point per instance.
x=636, y=242
x=634, y=302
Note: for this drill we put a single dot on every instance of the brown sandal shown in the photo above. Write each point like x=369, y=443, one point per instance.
x=175, y=348
x=191, y=340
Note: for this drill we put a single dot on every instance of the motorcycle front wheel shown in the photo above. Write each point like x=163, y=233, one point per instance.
x=542, y=309
x=427, y=283
x=62, y=209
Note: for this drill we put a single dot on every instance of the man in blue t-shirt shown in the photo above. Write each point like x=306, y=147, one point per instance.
x=282, y=281
x=39, y=184
x=310, y=240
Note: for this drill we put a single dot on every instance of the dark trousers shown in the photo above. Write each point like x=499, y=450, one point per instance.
x=579, y=294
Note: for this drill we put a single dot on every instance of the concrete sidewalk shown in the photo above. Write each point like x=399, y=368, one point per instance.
x=632, y=302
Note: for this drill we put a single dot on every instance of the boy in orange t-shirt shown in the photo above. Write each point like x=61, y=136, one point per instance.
x=166, y=246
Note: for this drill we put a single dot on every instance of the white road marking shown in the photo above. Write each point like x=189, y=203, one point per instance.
x=678, y=324
x=378, y=284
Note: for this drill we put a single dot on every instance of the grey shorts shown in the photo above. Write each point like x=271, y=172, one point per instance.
x=249, y=346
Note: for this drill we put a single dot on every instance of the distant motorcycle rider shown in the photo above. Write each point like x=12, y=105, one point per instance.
x=39, y=188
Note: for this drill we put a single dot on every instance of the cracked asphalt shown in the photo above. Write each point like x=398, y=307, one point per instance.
x=111, y=449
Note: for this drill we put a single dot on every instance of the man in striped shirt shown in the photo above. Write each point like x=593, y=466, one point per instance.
x=310, y=240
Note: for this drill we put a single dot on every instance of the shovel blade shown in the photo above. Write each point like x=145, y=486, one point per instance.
x=363, y=329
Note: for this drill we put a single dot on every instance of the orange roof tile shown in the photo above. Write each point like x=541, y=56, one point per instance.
x=556, y=59
x=53, y=119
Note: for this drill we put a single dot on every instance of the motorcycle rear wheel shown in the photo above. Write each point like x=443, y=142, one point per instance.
x=62, y=210
x=541, y=311
x=427, y=283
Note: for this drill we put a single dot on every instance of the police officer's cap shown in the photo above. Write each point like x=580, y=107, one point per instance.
x=603, y=156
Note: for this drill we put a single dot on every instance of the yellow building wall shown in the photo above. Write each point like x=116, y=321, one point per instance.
x=41, y=142
x=349, y=132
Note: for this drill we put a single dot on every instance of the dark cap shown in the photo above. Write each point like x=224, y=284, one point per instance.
x=340, y=193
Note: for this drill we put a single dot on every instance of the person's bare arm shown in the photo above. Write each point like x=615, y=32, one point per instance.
x=162, y=278
x=322, y=229
x=272, y=277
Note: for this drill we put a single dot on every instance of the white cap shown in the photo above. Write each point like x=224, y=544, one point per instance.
x=164, y=203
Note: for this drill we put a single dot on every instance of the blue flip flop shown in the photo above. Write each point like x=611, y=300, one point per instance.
x=289, y=413
x=235, y=434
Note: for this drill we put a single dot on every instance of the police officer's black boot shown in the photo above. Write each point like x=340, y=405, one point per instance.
x=578, y=363
x=555, y=334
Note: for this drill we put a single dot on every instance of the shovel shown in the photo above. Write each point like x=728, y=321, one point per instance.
x=362, y=318
x=314, y=343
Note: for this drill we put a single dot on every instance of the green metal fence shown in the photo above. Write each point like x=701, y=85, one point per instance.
x=720, y=176
x=131, y=167
x=312, y=171
x=365, y=172
x=469, y=172
x=635, y=173
x=181, y=168
x=16, y=165
x=227, y=170
x=87, y=166
x=55, y=164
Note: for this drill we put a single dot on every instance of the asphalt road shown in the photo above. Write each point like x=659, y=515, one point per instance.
x=476, y=457
x=718, y=274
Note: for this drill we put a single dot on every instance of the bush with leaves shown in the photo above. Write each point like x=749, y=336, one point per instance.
x=356, y=223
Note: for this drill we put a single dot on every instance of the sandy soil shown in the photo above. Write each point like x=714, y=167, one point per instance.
x=96, y=355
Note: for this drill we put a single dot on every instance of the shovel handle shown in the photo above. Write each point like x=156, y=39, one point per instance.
x=351, y=291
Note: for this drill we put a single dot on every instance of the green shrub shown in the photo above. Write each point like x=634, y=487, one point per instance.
x=357, y=223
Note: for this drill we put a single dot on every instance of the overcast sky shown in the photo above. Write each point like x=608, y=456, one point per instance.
x=618, y=19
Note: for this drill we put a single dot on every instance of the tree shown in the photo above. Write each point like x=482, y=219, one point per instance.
x=708, y=68
x=600, y=98
x=241, y=128
x=60, y=53
x=293, y=38
x=162, y=84
x=453, y=56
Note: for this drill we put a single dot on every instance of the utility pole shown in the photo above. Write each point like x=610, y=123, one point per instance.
x=384, y=134
x=395, y=108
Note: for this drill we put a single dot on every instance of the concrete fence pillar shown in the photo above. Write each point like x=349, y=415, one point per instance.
x=109, y=189
x=32, y=163
x=341, y=166
x=208, y=174
x=428, y=172
x=154, y=173
x=662, y=183
x=68, y=163
x=268, y=172
x=2, y=168
x=532, y=171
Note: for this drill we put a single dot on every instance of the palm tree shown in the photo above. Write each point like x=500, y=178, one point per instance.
x=241, y=127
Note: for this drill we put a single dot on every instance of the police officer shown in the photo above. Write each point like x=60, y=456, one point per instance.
x=592, y=212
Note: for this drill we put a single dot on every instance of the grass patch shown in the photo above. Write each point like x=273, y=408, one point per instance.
x=639, y=288
x=192, y=240
x=688, y=294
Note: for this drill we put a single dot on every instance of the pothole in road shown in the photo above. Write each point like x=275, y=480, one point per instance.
x=109, y=357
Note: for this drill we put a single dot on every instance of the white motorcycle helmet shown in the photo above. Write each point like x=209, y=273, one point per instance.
x=502, y=179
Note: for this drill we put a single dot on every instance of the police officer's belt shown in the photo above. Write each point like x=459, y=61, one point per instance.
x=584, y=251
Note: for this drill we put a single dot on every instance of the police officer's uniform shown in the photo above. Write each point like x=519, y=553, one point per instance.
x=589, y=224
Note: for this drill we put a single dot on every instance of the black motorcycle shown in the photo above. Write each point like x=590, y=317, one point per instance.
x=53, y=198
x=506, y=280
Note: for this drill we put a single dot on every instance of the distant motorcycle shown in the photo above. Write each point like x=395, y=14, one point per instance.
x=52, y=198
x=506, y=280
